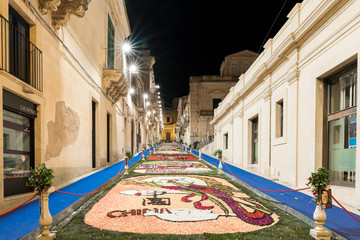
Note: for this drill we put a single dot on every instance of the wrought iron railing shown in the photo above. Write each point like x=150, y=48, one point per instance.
x=114, y=58
x=19, y=56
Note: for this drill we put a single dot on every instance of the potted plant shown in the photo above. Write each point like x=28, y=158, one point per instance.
x=143, y=152
x=151, y=148
x=128, y=156
x=218, y=154
x=41, y=178
x=319, y=183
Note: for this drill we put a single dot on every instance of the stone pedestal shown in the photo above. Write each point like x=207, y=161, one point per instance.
x=319, y=232
x=126, y=167
x=220, y=167
x=45, y=217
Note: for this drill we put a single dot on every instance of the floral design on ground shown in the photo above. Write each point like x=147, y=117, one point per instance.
x=178, y=205
x=172, y=167
x=184, y=157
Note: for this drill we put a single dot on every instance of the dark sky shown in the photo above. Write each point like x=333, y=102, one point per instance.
x=192, y=37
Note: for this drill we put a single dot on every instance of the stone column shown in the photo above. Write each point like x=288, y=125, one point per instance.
x=45, y=217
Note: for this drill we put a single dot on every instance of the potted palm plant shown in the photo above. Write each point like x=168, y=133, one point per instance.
x=128, y=156
x=218, y=154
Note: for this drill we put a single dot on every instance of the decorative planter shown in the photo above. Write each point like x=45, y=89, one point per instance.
x=220, y=166
x=126, y=166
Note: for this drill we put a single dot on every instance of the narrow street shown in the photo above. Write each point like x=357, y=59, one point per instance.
x=174, y=192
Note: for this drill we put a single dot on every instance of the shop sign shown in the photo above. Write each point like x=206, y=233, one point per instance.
x=18, y=104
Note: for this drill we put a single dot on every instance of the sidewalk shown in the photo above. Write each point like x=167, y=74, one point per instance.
x=25, y=219
x=336, y=218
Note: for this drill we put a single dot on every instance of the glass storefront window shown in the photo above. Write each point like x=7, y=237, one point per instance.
x=342, y=90
x=342, y=150
x=17, y=152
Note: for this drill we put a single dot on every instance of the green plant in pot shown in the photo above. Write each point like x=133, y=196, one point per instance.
x=319, y=182
x=128, y=154
x=41, y=178
x=218, y=154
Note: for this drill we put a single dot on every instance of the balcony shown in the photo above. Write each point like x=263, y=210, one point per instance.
x=63, y=9
x=113, y=79
x=20, y=57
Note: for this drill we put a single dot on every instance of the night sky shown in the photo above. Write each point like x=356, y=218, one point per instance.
x=192, y=37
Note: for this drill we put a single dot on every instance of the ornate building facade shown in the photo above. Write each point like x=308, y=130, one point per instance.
x=64, y=91
x=206, y=92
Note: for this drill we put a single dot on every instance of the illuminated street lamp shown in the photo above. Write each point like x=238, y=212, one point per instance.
x=145, y=96
x=133, y=68
x=132, y=90
x=126, y=47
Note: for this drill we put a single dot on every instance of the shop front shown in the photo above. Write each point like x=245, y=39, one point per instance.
x=18, y=135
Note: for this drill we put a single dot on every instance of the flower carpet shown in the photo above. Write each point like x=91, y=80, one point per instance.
x=177, y=204
x=182, y=157
x=172, y=167
x=167, y=197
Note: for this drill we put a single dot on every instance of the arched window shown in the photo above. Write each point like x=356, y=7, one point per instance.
x=234, y=71
x=245, y=67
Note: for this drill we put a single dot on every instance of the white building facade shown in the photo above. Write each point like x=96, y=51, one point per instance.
x=295, y=108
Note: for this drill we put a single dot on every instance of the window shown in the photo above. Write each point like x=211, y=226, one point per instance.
x=254, y=140
x=111, y=40
x=226, y=141
x=168, y=119
x=234, y=71
x=216, y=102
x=245, y=67
x=19, y=46
x=279, y=119
x=341, y=117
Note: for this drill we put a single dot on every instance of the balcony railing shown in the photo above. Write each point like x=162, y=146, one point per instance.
x=114, y=58
x=206, y=112
x=19, y=56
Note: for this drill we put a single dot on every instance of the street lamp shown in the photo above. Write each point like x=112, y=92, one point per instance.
x=126, y=47
x=133, y=68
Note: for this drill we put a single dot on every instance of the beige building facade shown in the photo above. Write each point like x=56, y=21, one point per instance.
x=169, y=119
x=295, y=108
x=64, y=91
x=206, y=92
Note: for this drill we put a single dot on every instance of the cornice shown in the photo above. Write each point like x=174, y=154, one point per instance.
x=294, y=40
